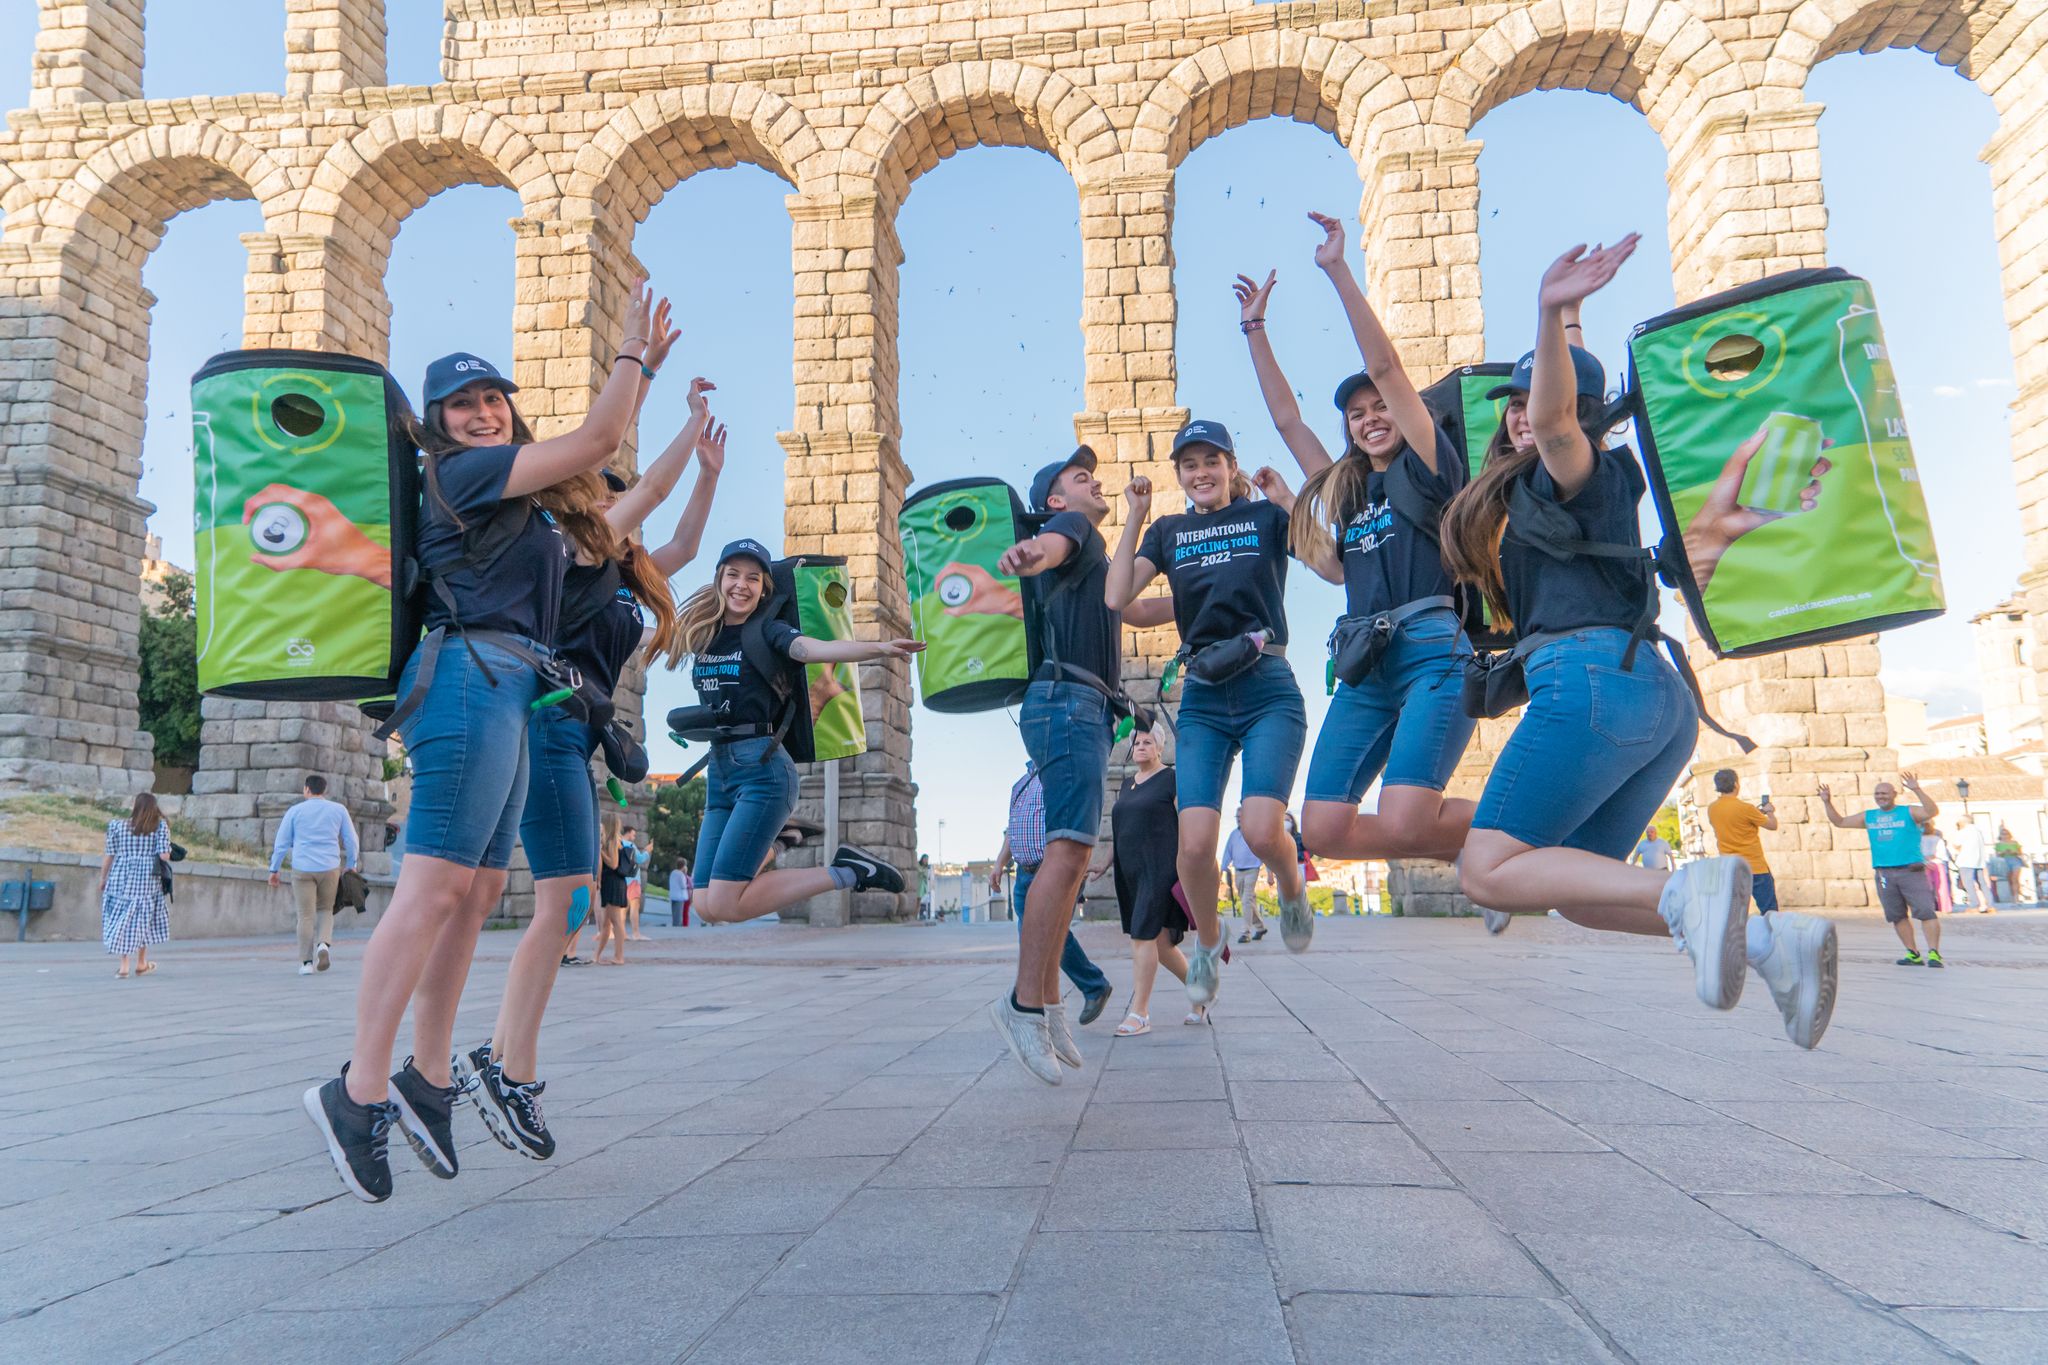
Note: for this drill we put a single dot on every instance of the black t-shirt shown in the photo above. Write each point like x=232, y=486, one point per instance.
x=1227, y=569
x=520, y=594
x=1387, y=561
x=601, y=644
x=1546, y=595
x=721, y=673
x=1080, y=630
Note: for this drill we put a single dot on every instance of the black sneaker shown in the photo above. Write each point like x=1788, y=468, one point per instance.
x=518, y=1108
x=869, y=872
x=468, y=1072
x=1093, y=1005
x=357, y=1137
x=424, y=1111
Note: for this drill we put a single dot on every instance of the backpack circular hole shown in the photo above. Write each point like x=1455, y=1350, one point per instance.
x=1735, y=357
x=297, y=414
x=959, y=520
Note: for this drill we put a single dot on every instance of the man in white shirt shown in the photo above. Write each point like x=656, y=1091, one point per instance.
x=1241, y=866
x=321, y=840
x=1654, y=852
x=1973, y=855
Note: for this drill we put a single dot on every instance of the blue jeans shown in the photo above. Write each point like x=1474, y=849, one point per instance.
x=1074, y=960
x=1258, y=713
x=1763, y=889
x=1596, y=751
x=467, y=743
x=750, y=791
x=1405, y=718
x=559, y=826
x=1067, y=731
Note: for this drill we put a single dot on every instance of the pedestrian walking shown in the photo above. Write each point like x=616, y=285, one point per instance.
x=1225, y=561
x=1972, y=855
x=679, y=891
x=1900, y=869
x=320, y=839
x=1934, y=853
x=134, y=909
x=1145, y=834
x=1024, y=845
x=611, y=893
x=1368, y=521
x=1242, y=867
x=1609, y=723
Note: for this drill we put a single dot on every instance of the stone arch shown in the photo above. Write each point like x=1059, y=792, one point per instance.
x=665, y=136
x=119, y=202
x=1317, y=80
x=1661, y=59
x=366, y=186
x=929, y=117
x=1955, y=34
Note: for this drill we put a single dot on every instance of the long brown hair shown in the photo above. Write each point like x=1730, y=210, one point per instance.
x=574, y=503
x=1477, y=516
x=144, y=816
x=1326, y=504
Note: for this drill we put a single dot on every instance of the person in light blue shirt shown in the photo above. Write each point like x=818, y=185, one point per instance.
x=1902, y=885
x=321, y=840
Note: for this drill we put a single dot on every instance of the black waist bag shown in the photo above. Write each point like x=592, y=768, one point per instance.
x=1226, y=659
x=1359, y=642
x=1494, y=683
x=624, y=755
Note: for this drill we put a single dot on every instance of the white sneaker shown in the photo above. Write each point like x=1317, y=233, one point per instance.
x=1061, y=1036
x=1707, y=903
x=1205, y=971
x=305, y=969
x=322, y=957
x=1297, y=922
x=1497, y=921
x=1800, y=970
x=1028, y=1037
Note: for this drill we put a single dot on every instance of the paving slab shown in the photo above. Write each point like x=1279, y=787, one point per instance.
x=1337, y=1329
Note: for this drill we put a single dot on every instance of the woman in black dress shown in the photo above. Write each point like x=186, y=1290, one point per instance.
x=1145, y=828
x=611, y=892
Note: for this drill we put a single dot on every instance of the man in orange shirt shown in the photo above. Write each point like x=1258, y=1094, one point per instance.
x=1736, y=829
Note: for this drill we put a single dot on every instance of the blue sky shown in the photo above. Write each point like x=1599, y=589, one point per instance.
x=990, y=345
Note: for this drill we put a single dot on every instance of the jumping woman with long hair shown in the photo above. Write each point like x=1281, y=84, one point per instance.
x=1225, y=560
x=1609, y=724
x=1401, y=723
x=752, y=781
x=616, y=603
x=493, y=556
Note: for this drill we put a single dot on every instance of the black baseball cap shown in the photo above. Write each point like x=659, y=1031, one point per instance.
x=1042, y=482
x=1358, y=381
x=1201, y=432
x=747, y=549
x=613, y=480
x=1586, y=367
x=452, y=372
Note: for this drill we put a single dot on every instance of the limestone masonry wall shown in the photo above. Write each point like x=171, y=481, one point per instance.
x=592, y=110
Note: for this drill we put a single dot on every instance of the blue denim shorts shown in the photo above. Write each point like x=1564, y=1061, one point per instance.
x=559, y=826
x=467, y=743
x=751, y=788
x=1258, y=713
x=1068, y=731
x=1404, y=719
x=1597, y=750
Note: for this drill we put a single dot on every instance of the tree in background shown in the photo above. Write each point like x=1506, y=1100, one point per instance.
x=1667, y=824
x=169, y=695
x=672, y=828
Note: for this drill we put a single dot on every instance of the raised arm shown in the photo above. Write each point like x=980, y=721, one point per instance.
x=1382, y=359
x=682, y=546
x=1039, y=554
x=1301, y=443
x=805, y=650
x=543, y=464
x=1554, y=392
x=637, y=503
x=1835, y=817
x=1129, y=571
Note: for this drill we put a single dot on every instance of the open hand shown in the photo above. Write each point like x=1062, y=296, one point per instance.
x=899, y=649
x=711, y=448
x=1911, y=780
x=1022, y=559
x=1330, y=251
x=1826, y=792
x=1722, y=520
x=639, y=322
x=1252, y=298
x=1579, y=274
x=696, y=400
x=660, y=338
x=328, y=541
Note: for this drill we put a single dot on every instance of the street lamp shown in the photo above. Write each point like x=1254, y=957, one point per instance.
x=1963, y=790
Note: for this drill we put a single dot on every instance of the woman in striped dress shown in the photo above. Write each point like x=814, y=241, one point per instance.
x=132, y=911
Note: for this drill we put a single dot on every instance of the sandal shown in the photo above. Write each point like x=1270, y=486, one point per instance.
x=120, y=974
x=1245, y=937
x=145, y=969
x=1259, y=933
x=1144, y=1021
x=1198, y=1015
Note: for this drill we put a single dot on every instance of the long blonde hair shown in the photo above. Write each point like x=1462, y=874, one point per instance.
x=1326, y=504
x=614, y=830
x=702, y=613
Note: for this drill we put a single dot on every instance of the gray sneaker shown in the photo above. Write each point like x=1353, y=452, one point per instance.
x=1707, y=904
x=1061, y=1035
x=1297, y=922
x=1800, y=970
x=1205, y=971
x=1029, y=1039
x=1496, y=921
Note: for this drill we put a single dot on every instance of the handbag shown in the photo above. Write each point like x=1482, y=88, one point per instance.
x=163, y=867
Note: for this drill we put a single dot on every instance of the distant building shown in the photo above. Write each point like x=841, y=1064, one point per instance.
x=2012, y=699
x=155, y=569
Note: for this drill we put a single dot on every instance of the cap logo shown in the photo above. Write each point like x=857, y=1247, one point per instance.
x=465, y=366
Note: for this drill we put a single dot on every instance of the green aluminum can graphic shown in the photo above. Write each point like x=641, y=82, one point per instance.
x=824, y=602
x=968, y=613
x=303, y=481
x=1801, y=359
x=1783, y=465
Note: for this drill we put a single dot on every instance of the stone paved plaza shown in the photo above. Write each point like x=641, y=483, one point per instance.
x=790, y=1145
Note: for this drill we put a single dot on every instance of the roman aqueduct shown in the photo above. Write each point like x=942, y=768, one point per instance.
x=592, y=110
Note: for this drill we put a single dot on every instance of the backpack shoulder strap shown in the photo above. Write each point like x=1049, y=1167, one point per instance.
x=589, y=596
x=1424, y=511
